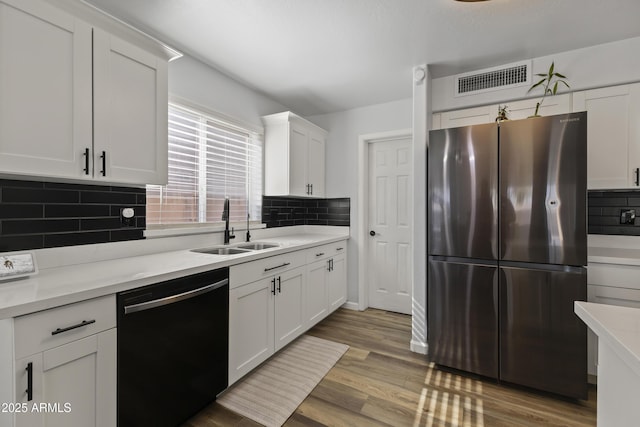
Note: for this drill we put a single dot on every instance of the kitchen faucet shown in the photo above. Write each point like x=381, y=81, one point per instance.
x=225, y=218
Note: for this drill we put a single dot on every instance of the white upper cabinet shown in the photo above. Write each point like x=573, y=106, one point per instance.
x=468, y=116
x=76, y=102
x=45, y=90
x=131, y=107
x=294, y=156
x=613, y=135
x=557, y=104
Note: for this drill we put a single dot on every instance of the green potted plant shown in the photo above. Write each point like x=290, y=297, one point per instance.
x=503, y=113
x=549, y=83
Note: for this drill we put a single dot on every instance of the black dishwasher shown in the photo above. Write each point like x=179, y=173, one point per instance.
x=172, y=348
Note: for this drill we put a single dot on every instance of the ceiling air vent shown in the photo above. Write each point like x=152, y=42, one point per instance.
x=503, y=77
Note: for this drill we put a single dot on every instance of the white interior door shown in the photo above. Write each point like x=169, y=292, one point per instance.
x=390, y=225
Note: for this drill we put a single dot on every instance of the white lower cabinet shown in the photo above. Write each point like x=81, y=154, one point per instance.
x=613, y=284
x=317, y=295
x=288, y=296
x=71, y=385
x=326, y=281
x=264, y=316
x=250, y=327
x=274, y=300
x=337, y=281
x=65, y=367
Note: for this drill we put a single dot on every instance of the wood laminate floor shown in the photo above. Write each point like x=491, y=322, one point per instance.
x=380, y=382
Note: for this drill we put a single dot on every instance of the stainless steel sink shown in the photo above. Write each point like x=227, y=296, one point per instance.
x=221, y=251
x=258, y=246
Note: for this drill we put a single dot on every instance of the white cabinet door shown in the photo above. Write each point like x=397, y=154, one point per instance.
x=251, y=321
x=76, y=382
x=436, y=121
x=317, y=295
x=130, y=112
x=468, y=116
x=289, y=306
x=337, y=282
x=613, y=135
x=558, y=104
x=45, y=90
x=298, y=153
x=316, y=164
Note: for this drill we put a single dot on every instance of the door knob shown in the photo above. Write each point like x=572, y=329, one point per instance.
x=372, y=233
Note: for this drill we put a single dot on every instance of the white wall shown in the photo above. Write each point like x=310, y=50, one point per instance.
x=197, y=82
x=342, y=159
x=596, y=66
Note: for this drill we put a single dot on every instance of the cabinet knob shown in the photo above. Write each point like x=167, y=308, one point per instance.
x=372, y=233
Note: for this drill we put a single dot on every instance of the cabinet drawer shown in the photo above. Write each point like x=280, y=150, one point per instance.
x=251, y=271
x=326, y=251
x=614, y=296
x=57, y=326
x=614, y=275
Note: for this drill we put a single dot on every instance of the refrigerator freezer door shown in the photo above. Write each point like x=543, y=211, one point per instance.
x=463, y=192
x=543, y=190
x=543, y=344
x=463, y=316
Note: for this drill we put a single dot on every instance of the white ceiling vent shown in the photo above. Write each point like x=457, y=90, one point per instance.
x=490, y=79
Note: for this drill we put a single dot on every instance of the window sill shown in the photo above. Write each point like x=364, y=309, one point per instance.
x=189, y=230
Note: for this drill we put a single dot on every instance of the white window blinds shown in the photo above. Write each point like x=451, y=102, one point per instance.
x=208, y=161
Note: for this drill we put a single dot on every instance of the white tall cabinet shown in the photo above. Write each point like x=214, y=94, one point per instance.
x=613, y=135
x=294, y=156
x=77, y=102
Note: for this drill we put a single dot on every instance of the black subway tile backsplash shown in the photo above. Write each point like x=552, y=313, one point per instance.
x=606, y=208
x=20, y=211
x=280, y=211
x=110, y=198
x=37, y=214
x=38, y=195
x=73, y=239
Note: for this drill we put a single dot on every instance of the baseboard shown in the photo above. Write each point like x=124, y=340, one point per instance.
x=419, y=347
x=350, y=305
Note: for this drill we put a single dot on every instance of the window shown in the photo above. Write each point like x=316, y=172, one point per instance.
x=208, y=161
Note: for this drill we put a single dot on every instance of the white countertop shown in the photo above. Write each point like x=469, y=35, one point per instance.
x=617, y=327
x=58, y=286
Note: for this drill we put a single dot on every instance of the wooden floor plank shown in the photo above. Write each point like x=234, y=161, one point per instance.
x=380, y=382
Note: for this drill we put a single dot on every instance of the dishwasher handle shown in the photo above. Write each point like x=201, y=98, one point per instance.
x=128, y=309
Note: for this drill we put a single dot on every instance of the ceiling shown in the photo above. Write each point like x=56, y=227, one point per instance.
x=321, y=56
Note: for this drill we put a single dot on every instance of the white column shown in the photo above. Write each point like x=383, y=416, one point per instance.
x=421, y=114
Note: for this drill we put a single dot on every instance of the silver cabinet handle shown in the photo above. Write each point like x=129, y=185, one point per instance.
x=174, y=298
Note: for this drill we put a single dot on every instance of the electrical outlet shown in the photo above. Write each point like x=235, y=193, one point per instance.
x=127, y=217
x=627, y=216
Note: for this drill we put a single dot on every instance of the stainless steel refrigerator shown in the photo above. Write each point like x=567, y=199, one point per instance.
x=507, y=250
